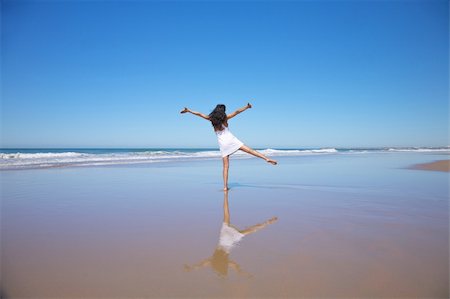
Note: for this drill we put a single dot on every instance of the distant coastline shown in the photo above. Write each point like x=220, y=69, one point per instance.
x=441, y=165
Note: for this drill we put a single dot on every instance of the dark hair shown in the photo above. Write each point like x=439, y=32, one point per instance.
x=219, y=262
x=218, y=117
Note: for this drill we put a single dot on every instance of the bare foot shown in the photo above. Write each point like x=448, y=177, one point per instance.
x=273, y=162
x=272, y=220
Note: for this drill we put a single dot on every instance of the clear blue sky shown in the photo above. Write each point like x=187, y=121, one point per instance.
x=318, y=73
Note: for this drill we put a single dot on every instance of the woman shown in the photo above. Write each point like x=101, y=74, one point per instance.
x=228, y=143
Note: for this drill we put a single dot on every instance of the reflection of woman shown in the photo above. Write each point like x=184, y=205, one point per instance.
x=229, y=238
x=228, y=143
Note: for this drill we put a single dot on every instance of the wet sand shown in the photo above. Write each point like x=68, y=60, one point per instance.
x=330, y=226
x=442, y=165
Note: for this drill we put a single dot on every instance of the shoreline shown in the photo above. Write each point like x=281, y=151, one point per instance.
x=440, y=165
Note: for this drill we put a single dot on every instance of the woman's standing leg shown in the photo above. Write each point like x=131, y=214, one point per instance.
x=257, y=154
x=226, y=165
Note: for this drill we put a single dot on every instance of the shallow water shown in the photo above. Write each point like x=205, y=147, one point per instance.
x=348, y=226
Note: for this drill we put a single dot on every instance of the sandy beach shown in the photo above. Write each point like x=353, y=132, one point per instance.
x=442, y=165
x=318, y=226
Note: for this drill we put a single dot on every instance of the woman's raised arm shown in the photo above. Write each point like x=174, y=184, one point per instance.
x=185, y=110
x=239, y=111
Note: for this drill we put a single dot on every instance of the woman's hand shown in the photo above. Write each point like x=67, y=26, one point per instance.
x=184, y=110
x=249, y=105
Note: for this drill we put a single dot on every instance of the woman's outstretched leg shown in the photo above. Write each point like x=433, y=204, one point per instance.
x=257, y=154
x=226, y=165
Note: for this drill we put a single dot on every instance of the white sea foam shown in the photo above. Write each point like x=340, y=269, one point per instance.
x=41, y=160
x=276, y=152
x=39, y=155
x=424, y=149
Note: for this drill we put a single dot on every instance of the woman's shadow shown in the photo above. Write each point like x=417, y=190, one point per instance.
x=230, y=236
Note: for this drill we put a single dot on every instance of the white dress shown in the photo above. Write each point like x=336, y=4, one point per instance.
x=228, y=143
x=229, y=237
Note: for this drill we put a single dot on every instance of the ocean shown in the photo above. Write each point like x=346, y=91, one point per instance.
x=20, y=158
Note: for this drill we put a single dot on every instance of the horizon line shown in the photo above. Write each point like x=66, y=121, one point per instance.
x=205, y=148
